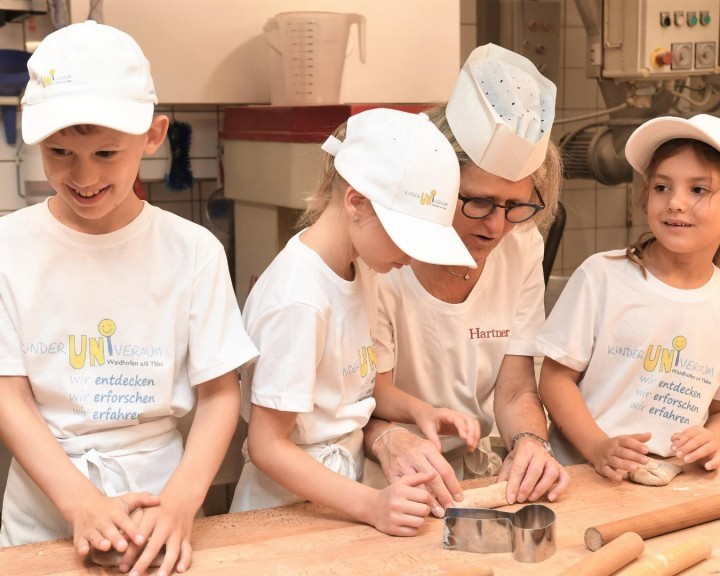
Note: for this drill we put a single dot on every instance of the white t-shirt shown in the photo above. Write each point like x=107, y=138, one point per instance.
x=450, y=354
x=313, y=330
x=316, y=351
x=646, y=349
x=114, y=330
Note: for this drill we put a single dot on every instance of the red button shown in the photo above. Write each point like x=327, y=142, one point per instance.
x=663, y=59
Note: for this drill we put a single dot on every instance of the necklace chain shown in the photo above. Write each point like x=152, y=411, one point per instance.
x=465, y=276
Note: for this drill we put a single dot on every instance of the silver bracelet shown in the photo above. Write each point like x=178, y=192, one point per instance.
x=372, y=447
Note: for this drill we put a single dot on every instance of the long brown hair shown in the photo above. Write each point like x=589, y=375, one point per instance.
x=704, y=152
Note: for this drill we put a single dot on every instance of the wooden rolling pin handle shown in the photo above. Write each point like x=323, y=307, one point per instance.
x=684, y=554
x=610, y=558
x=656, y=522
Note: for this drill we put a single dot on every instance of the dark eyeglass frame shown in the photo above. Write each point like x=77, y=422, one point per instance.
x=507, y=207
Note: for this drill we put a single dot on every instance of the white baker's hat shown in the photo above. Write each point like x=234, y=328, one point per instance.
x=410, y=173
x=87, y=73
x=642, y=143
x=501, y=112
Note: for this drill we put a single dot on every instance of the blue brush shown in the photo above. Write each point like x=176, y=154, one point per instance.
x=180, y=176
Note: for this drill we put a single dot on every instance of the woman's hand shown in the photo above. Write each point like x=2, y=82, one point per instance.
x=531, y=472
x=435, y=421
x=402, y=453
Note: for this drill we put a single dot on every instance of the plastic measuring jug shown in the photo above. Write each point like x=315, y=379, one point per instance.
x=309, y=51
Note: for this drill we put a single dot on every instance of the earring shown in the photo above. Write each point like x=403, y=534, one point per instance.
x=356, y=219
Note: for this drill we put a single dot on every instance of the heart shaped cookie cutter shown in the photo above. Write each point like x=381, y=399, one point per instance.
x=528, y=533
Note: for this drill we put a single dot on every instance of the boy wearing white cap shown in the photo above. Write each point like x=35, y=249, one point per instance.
x=114, y=316
x=464, y=337
x=630, y=367
x=387, y=193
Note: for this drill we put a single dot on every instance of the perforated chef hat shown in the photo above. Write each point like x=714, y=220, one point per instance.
x=409, y=171
x=87, y=73
x=501, y=112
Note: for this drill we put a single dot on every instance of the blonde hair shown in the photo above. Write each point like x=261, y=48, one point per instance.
x=704, y=152
x=330, y=182
x=547, y=179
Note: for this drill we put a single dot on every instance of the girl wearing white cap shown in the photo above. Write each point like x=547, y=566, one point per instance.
x=631, y=368
x=464, y=337
x=387, y=193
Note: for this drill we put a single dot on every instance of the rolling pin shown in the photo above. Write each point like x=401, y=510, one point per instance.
x=610, y=558
x=656, y=522
x=684, y=554
x=492, y=496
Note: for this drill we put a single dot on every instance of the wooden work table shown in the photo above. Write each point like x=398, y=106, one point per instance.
x=309, y=540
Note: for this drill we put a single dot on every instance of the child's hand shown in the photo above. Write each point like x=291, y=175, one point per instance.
x=103, y=522
x=433, y=421
x=168, y=528
x=401, y=508
x=615, y=457
x=697, y=444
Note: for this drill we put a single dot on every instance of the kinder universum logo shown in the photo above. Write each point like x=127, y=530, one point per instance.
x=52, y=77
x=428, y=199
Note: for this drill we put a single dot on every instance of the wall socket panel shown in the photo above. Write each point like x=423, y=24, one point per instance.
x=529, y=27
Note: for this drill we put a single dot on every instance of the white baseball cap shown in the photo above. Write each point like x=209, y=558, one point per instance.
x=410, y=173
x=501, y=112
x=642, y=143
x=87, y=73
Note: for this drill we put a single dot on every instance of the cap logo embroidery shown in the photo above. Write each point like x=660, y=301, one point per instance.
x=47, y=79
x=430, y=200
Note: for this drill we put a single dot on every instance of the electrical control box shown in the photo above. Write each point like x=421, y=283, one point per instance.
x=533, y=28
x=655, y=39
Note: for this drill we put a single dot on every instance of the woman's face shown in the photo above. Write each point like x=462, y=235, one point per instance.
x=482, y=236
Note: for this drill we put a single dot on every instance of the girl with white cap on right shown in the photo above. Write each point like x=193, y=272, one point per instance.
x=631, y=366
x=387, y=193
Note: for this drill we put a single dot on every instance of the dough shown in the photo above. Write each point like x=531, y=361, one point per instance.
x=492, y=496
x=112, y=558
x=655, y=473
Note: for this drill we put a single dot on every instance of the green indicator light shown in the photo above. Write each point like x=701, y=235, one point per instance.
x=706, y=20
x=692, y=20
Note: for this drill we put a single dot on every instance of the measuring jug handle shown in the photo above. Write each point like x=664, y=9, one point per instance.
x=272, y=34
x=359, y=21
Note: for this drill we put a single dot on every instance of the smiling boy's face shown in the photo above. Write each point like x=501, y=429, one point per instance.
x=93, y=170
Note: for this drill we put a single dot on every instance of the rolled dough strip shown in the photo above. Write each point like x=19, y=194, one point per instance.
x=492, y=496
x=112, y=558
x=655, y=473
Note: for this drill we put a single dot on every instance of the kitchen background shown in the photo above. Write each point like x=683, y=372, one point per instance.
x=209, y=58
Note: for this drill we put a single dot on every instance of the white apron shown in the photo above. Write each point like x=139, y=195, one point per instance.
x=255, y=490
x=134, y=459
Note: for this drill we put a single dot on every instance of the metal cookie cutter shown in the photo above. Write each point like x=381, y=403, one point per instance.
x=528, y=533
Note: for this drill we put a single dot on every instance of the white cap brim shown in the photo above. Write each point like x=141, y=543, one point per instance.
x=424, y=240
x=42, y=119
x=652, y=134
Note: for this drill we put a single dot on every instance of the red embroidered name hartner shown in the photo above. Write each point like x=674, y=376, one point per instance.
x=477, y=333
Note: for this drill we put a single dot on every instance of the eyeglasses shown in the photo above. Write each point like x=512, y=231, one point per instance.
x=515, y=212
